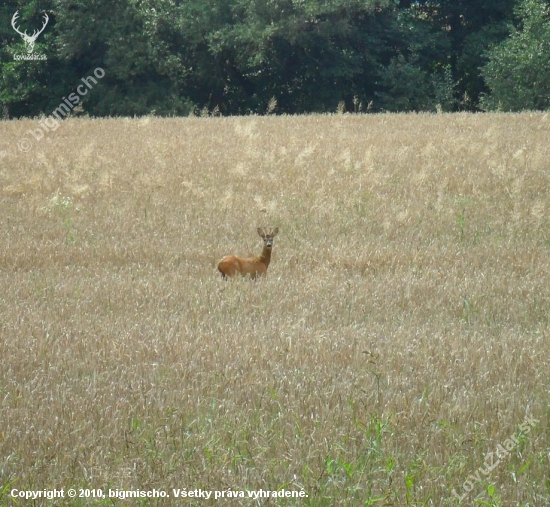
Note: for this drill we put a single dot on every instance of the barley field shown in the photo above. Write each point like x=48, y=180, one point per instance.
x=396, y=354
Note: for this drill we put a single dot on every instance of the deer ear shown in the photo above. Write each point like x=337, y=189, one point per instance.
x=274, y=232
x=261, y=232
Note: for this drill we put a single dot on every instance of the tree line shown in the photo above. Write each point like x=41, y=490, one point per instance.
x=176, y=57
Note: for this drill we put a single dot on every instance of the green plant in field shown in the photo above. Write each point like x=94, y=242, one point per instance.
x=409, y=485
x=371, y=360
x=469, y=309
x=412, y=477
x=63, y=206
x=494, y=498
x=461, y=222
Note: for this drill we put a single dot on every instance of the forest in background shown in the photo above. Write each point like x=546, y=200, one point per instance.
x=231, y=57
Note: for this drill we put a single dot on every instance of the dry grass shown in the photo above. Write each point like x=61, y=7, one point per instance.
x=401, y=334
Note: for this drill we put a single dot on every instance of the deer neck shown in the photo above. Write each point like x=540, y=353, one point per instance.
x=265, y=257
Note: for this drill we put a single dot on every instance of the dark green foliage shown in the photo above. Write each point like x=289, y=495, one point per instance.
x=518, y=71
x=173, y=57
x=418, y=75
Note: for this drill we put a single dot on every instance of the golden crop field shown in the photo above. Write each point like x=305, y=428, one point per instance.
x=397, y=353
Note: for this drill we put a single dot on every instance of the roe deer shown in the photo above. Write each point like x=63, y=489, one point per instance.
x=232, y=265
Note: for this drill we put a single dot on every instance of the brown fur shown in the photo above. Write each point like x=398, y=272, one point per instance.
x=232, y=265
